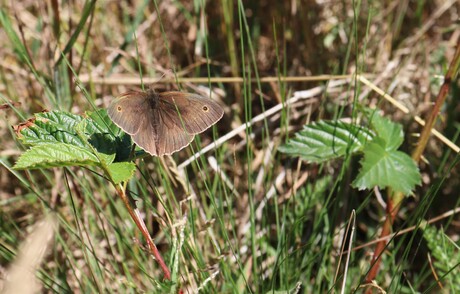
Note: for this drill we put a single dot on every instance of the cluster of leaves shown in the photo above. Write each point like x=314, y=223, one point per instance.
x=63, y=139
x=382, y=164
x=59, y=139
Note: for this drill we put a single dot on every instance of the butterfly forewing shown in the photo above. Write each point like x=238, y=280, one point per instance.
x=193, y=112
x=128, y=111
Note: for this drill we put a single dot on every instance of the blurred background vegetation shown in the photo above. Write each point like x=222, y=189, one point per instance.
x=243, y=217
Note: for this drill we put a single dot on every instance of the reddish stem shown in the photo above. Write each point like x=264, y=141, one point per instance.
x=395, y=199
x=142, y=227
x=380, y=247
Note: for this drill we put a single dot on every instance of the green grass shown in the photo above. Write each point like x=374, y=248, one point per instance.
x=263, y=222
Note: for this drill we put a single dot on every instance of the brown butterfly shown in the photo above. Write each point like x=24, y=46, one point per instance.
x=163, y=123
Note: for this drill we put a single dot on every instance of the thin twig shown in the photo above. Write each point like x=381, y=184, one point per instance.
x=406, y=110
x=407, y=230
x=130, y=80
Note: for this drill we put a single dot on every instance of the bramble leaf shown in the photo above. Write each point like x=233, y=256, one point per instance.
x=63, y=139
x=121, y=171
x=325, y=140
x=387, y=130
x=49, y=155
x=384, y=167
x=52, y=127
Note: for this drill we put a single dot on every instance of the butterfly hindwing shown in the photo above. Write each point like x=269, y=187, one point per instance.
x=193, y=112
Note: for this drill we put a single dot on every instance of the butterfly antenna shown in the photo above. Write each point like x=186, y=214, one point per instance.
x=165, y=73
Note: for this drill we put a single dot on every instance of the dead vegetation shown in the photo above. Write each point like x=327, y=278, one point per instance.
x=403, y=47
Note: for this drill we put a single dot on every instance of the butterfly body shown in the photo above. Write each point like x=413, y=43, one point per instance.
x=163, y=123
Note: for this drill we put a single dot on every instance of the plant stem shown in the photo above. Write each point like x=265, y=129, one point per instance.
x=142, y=227
x=450, y=75
x=395, y=199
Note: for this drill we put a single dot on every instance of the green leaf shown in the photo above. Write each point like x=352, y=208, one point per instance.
x=53, y=127
x=62, y=127
x=107, y=137
x=100, y=122
x=325, y=140
x=107, y=154
x=71, y=139
x=121, y=171
x=55, y=155
x=381, y=166
x=387, y=130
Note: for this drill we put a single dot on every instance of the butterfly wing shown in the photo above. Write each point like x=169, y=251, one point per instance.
x=160, y=134
x=128, y=111
x=133, y=113
x=180, y=116
x=194, y=113
x=163, y=123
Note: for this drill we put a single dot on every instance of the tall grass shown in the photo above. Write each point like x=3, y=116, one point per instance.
x=241, y=218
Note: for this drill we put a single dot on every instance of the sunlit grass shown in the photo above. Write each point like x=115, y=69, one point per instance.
x=242, y=217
